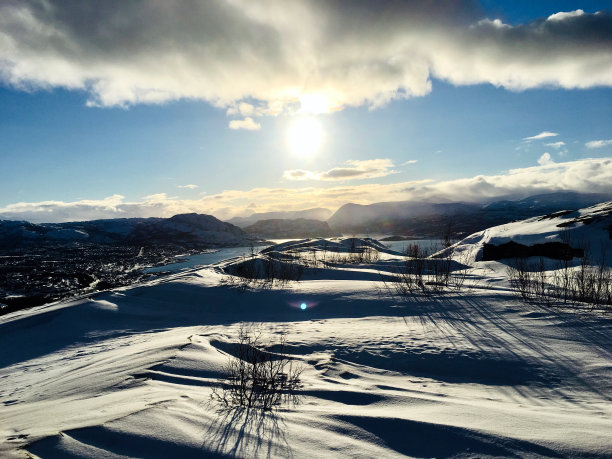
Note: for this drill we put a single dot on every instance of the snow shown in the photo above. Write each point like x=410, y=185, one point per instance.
x=129, y=372
x=585, y=228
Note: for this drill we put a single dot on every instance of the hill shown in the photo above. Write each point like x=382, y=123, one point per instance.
x=560, y=235
x=295, y=228
x=318, y=213
x=184, y=229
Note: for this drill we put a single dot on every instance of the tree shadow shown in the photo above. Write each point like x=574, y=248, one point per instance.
x=542, y=355
x=244, y=432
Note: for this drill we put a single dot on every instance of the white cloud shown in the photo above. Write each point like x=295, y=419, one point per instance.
x=190, y=186
x=412, y=161
x=248, y=123
x=275, y=53
x=598, y=143
x=587, y=175
x=556, y=145
x=561, y=16
x=541, y=135
x=545, y=160
x=242, y=108
x=354, y=170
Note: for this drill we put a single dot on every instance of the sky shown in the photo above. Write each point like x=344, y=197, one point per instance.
x=153, y=108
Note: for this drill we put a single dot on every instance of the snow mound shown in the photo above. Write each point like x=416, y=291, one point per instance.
x=340, y=245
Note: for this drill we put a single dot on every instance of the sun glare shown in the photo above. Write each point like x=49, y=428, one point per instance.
x=305, y=136
x=314, y=104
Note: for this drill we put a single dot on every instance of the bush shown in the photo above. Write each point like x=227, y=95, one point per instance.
x=586, y=284
x=258, y=378
x=427, y=273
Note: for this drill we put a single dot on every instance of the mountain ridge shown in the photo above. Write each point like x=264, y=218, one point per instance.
x=182, y=229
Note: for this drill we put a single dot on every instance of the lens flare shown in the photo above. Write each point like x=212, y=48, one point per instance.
x=302, y=305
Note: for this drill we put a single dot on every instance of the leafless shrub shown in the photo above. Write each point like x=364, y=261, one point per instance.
x=424, y=273
x=584, y=284
x=520, y=278
x=256, y=377
x=356, y=255
x=459, y=276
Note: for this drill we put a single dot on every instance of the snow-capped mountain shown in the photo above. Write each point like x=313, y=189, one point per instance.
x=399, y=217
x=547, y=203
x=433, y=219
x=184, y=229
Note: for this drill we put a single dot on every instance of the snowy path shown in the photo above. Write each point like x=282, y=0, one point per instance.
x=472, y=374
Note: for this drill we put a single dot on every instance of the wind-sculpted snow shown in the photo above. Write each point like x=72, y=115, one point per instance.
x=129, y=372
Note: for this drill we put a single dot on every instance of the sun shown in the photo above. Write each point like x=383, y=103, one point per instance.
x=305, y=136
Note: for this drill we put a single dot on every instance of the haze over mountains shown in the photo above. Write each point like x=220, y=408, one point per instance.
x=409, y=218
x=318, y=213
x=291, y=228
x=433, y=219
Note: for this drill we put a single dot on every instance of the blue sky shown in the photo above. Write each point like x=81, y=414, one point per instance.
x=83, y=143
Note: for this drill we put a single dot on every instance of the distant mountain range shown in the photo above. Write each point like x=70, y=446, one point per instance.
x=189, y=230
x=318, y=213
x=290, y=228
x=406, y=218
x=432, y=220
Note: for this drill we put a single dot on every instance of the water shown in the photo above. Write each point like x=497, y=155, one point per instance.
x=209, y=258
x=202, y=259
x=430, y=245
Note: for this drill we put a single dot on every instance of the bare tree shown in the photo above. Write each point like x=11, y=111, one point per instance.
x=258, y=377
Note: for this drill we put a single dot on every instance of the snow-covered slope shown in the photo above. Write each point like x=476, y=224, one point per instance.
x=129, y=373
x=588, y=229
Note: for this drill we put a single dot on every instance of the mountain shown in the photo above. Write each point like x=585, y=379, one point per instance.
x=184, y=229
x=549, y=202
x=284, y=228
x=404, y=217
x=187, y=229
x=433, y=220
x=318, y=213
